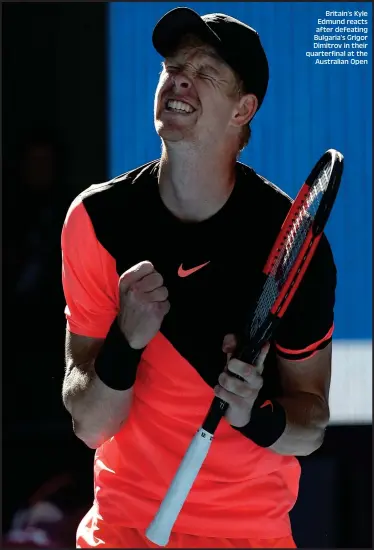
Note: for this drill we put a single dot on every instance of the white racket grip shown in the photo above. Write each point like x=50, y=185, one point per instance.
x=159, y=530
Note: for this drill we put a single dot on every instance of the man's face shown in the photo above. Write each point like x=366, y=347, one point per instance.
x=197, y=96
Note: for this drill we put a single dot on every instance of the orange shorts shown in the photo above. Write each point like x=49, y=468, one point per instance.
x=126, y=537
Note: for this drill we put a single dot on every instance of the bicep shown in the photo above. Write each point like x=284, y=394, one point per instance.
x=303, y=341
x=311, y=375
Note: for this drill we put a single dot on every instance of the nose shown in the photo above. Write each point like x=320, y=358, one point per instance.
x=182, y=82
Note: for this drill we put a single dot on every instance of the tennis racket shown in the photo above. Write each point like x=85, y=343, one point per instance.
x=288, y=260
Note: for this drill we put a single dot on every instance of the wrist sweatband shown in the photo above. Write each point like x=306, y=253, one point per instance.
x=117, y=362
x=267, y=423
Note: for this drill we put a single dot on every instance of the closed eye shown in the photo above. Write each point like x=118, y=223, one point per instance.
x=210, y=71
x=207, y=76
x=169, y=68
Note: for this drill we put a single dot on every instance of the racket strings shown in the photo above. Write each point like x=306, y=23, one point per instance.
x=300, y=226
x=290, y=247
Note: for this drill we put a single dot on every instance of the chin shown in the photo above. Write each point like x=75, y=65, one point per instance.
x=169, y=132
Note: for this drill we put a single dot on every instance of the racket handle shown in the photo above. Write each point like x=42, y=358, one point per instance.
x=159, y=530
x=217, y=410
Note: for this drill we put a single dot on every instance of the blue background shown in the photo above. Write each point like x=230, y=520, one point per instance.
x=308, y=109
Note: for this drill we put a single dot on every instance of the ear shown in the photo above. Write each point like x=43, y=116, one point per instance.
x=245, y=110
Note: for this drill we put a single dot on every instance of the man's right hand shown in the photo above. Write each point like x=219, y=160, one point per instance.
x=143, y=304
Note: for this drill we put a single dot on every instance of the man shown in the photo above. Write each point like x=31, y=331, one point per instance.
x=160, y=268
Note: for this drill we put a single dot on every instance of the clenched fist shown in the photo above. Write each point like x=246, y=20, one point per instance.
x=143, y=304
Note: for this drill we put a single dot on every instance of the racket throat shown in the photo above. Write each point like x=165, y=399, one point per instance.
x=251, y=347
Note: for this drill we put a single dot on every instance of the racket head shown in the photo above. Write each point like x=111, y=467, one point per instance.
x=331, y=192
x=292, y=252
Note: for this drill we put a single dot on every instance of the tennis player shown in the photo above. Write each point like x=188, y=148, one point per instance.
x=160, y=269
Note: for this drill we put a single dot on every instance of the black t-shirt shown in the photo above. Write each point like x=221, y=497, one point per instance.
x=230, y=249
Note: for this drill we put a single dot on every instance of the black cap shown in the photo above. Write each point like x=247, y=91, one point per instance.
x=237, y=43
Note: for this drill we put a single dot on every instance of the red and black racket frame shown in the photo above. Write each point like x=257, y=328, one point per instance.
x=248, y=349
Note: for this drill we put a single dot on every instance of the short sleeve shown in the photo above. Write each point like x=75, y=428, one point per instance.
x=89, y=276
x=308, y=323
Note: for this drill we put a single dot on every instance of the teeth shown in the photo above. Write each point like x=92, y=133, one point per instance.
x=179, y=106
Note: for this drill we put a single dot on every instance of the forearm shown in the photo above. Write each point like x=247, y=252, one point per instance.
x=98, y=383
x=98, y=411
x=307, y=418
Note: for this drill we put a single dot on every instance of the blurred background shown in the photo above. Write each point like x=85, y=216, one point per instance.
x=78, y=85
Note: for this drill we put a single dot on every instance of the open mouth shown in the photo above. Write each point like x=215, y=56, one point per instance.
x=175, y=106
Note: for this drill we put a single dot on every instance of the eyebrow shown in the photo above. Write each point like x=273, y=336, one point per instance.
x=214, y=55
x=205, y=64
x=210, y=68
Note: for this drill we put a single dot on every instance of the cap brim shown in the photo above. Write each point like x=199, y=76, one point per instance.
x=177, y=23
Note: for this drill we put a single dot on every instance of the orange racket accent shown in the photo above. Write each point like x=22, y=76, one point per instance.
x=284, y=231
x=299, y=276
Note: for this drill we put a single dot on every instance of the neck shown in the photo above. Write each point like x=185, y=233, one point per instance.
x=195, y=184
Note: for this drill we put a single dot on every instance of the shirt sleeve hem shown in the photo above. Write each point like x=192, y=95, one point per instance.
x=90, y=332
x=308, y=351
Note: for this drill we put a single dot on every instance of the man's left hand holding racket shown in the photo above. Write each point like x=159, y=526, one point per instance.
x=239, y=383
